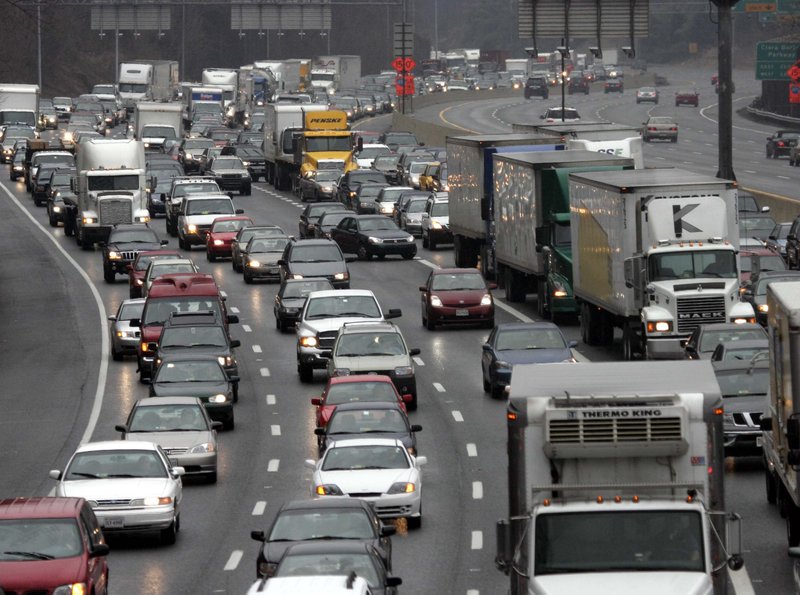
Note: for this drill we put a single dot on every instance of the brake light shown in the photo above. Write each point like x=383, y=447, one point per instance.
x=780, y=143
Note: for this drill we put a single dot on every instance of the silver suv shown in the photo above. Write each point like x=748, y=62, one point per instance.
x=182, y=186
x=323, y=315
x=375, y=348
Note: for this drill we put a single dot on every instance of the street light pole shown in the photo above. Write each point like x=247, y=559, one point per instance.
x=436, y=28
x=725, y=74
x=39, y=40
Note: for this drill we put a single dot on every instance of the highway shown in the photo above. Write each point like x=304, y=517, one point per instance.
x=62, y=387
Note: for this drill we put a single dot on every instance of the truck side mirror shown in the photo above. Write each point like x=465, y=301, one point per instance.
x=733, y=532
x=502, y=559
x=793, y=432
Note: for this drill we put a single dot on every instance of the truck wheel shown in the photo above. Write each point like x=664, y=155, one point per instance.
x=793, y=523
x=771, y=484
x=83, y=242
x=463, y=253
x=305, y=371
x=630, y=343
x=431, y=242
x=278, y=181
x=589, y=325
x=605, y=329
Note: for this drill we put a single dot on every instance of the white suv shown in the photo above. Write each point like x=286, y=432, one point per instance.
x=197, y=214
x=435, y=221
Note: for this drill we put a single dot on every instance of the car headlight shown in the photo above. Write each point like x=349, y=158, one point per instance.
x=89, y=220
x=763, y=308
x=143, y=219
x=253, y=264
x=246, y=163
x=387, y=208
x=326, y=189
x=436, y=302
x=146, y=145
x=341, y=372
x=225, y=360
x=659, y=326
x=341, y=276
x=56, y=209
x=374, y=240
x=219, y=243
x=742, y=320
x=501, y=365
x=297, y=276
x=205, y=447
x=191, y=228
x=73, y=589
x=114, y=255
x=328, y=489
x=402, y=487
x=152, y=501
x=436, y=225
x=218, y=398
x=308, y=342
x=410, y=239
x=404, y=371
x=486, y=300
x=140, y=282
x=126, y=334
x=188, y=156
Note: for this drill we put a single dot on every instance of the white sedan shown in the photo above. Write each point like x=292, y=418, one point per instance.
x=129, y=484
x=378, y=470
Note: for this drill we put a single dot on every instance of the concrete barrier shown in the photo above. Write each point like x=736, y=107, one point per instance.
x=781, y=208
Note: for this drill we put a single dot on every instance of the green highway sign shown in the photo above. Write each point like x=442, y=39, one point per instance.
x=774, y=59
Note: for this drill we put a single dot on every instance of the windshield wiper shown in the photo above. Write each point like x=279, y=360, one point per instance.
x=36, y=555
x=89, y=475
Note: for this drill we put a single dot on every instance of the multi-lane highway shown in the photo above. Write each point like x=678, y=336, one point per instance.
x=60, y=386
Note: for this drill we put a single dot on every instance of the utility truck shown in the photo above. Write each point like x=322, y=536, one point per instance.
x=532, y=247
x=147, y=80
x=616, y=481
x=331, y=74
x=282, y=124
x=781, y=422
x=470, y=175
x=158, y=125
x=19, y=105
x=654, y=252
x=109, y=188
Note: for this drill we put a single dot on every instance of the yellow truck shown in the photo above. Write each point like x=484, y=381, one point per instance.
x=325, y=143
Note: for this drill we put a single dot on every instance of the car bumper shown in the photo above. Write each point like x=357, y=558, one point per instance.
x=448, y=315
x=120, y=266
x=311, y=356
x=194, y=464
x=747, y=443
x=264, y=272
x=661, y=135
x=135, y=519
x=441, y=235
x=219, y=249
x=666, y=348
x=408, y=249
x=286, y=316
x=393, y=506
x=125, y=346
x=219, y=411
x=413, y=227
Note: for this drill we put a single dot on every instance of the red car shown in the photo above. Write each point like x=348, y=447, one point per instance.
x=687, y=97
x=138, y=268
x=457, y=296
x=757, y=258
x=66, y=545
x=365, y=388
x=221, y=235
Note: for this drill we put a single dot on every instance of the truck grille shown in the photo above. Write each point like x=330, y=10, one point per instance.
x=326, y=339
x=749, y=420
x=615, y=430
x=113, y=211
x=129, y=255
x=230, y=181
x=695, y=311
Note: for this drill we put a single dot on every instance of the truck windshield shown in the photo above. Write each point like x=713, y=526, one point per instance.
x=158, y=132
x=323, y=77
x=692, y=265
x=132, y=88
x=22, y=117
x=619, y=541
x=328, y=143
x=101, y=182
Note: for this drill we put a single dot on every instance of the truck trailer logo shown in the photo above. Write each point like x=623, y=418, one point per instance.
x=681, y=225
x=622, y=413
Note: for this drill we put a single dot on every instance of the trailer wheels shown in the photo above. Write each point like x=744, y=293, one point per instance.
x=515, y=285
x=631, y=343
x=464, y=254
x=793, y=523
x=596, y=327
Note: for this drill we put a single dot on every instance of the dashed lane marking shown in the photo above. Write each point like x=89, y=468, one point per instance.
x=275, y=429
x=477, y=490
x=418, y=360
x=233, y=561
x=270, y=399
x=256, y=348
x=273, y=465
x=246, y=328
x=259, y=508
x=264, y=372
x=457, y=416
x=477, y=540
x=439, y=387
x=472, y=450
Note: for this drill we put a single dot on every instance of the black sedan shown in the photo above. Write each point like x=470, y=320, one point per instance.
x=321, y=519
x=368, y=420
x=312, y=213
x=124, y=243
x=781, y=142
x=291, y=298
x=755, y=291
x=373, y=235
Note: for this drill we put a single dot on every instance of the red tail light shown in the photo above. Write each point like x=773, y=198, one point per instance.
x=780, y=143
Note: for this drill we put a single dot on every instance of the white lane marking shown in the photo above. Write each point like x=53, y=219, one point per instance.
x=428, y=263
x=234, y=309
x=275, y=429
x=265, y=372
x=233, y=561
x=246, y=328
x=477, y=540
x=418, y=360
x=102, y=375
x=457, y=415
x=750, y=171
x=259, y=508
x=477, y=490
x=270, y=399
x=740, y=580
x=513, y=311
x=784, y=177
x=273, y=465
x=439, y=387
x=256, y=348
x=472, y=450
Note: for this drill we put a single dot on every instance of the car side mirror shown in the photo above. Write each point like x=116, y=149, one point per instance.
x=316, y=401
x=239, y=211
x=388, y=530
x=112, y=318
x=423, y=288
x=572, y=344
x=258, y=536
x=217, y=425
x=319, y=431
x=310, y=463
x=232, y=319
x=177, y=471
x=121, y=428
x=415, y=351
x=416, y=428
x=101, y=549
x=791, y=236
x=235, y=343
x=230, y=195
x=393, y=581
x=421, y=461
x=152, y=347
x=163, y=243
x=163, y=196
x=54, y=474
x=282, y=262
x=393, y=313
x=491, y=285
x=765, y=209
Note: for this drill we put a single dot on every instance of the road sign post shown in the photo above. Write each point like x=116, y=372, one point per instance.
x=403, y=50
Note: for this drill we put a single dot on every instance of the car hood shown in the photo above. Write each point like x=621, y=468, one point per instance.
x=334, y=324
x=204, y=219
x=534, y=356
x=384, y=234
x=117, y=488
x=317, y=269
x=369, y=363
x=134, y=246
x=366, y=480
x=405, y=437
x=458, y=298
x=226, y=236
x=220, y=172
x=193, y=389
x=266, y=257
x=174, y=439
x=413, y=216
x=746, y=404
x=19, y=574
x=293, y=302
x=624, y=583
x=197, y=350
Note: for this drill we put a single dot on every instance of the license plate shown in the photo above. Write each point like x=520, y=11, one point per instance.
x=758, y=441
x=113, y=523
x=462, y=312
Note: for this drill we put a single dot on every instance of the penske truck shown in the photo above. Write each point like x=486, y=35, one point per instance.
x=283, y=123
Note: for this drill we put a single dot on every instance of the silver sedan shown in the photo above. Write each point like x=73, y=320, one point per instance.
x=124, y=337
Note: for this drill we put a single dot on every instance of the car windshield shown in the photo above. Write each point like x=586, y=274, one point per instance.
x=710, y=339
x=211, y=206
x=743, y=382
x=343, y=306
x=224, y=135
x=660, y=121
x=516, y=339
x=101, y=183
x=667, y=266
x=353, y=392
x=115, y=463
x=365, y=457
x=301, y=289
x=168, y=418
x=330, y=564
x=440, y=209
x=39, y=539
x=386, y=161
x=780, y=231
x=369, y=344
x=142, y=262
x=190, y=371
x=320, y=253
x=194, y=336
x=300, y=525
x=327, y=175
x=227, y=226
x=367, y=421
x=582, y=542
x=130, y=311
x=329, y=220
x=369, y=192
x=169, y=268
x=158, y=310
x=416, y=206
x=127, y=236
x=132, y=88
x=228, y=163
x=377, y=224
x=740, y=353
x=457, y=281
x=761, y=284
x=260, y=245
x=251, y=232
x=198, y=143
x=366, y=176
x=372, y=152
x=756, y=227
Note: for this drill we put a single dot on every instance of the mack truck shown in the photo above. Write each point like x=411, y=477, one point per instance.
x=19, y=105
x=470, y=175
x=159, y=125
x=331, y=74
x=654, y=252
x=109, y=187
x=282, y=123
x=781, y=420
x=616, y=481
x=147, y=80
x=532, y=248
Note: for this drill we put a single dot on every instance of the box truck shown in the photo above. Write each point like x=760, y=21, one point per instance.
x=19, y=105
x=654, y=252
x=331, y=74
x=147, y=80
x=616, y=481
x=225, y=79
x=158, y=125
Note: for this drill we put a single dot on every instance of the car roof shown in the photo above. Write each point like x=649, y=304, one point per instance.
x=729, y=326
x=164, y=253
x=370, y=326
x=748, y=344
x=233, y=218
x=116, y=445
x=365, y=441
x=131, y=227
x=190, y=284
x=314, y=242
x=362, y=405
x=455, y=271
x=168, y=401
x=189, y=357
x=133, y=301
x=537, y=324
x=40, y=507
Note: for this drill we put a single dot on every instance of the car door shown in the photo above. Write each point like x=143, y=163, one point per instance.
x=98, y=566
x=345, y=234
x=792, y=245
x=488, y=355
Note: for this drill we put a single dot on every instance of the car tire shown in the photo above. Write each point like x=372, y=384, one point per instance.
x=247, y=278
x=115, y=355
x=212, y=477
x=170, y=535
x=497, y=391
x=487, y=386
x=108, y=274
x=229, y=424
x=408, y=256
x=429, y=324
x=431, y=243
x=363, y=254
x=248, y=190
x=210, y=257
x=306, y=372
x=181, y=244
x=415, y=522
x=425, y=240
x=51, y=218
x=771, y=484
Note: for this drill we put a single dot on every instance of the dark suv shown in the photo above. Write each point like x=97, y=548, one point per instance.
x=578, y=83
x=537, y=86
x=304, y=259
x=123, y=246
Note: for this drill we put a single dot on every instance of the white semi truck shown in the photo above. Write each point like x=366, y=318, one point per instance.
x=281, y=124
x=226, y=79
x=781, y=421
x=616, y=481
x=109, y=188
x=654, y=252
x=158, y=125
x=147, y=80
x=518, y=69
x=331, y=74
x=19, y=105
